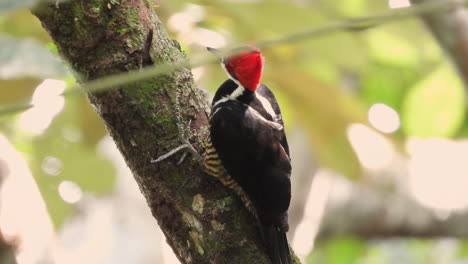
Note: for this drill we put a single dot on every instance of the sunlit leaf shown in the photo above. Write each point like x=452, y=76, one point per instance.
x=391, y=48
x=434, y=107
x=27, y=58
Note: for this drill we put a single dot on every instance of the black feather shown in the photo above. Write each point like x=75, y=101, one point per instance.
x=252, y=146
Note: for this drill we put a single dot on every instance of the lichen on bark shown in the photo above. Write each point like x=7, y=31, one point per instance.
x=149, y=117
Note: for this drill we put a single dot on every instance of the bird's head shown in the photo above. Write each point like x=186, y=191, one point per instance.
x=245, y=66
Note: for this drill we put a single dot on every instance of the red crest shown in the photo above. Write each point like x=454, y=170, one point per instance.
x=247, y=67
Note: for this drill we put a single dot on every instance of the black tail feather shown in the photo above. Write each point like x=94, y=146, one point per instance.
x=284, y=248
x=277, y=246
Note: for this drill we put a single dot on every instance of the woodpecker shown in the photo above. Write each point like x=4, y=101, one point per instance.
x=249, y=151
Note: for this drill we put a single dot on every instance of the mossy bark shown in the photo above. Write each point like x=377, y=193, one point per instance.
x=203, y=221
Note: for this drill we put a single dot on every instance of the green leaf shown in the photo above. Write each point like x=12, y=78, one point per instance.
x=387, y=84
x=27, y=58
x=434, y=107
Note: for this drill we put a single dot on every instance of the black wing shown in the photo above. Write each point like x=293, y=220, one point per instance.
x=264, y=91
x=252, y=151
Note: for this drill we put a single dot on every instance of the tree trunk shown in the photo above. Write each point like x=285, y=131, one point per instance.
x=202, y=221
x=450, y=29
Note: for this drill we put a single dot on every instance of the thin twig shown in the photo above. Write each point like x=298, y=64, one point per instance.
x=15, y=107
x=354, y=24
x=363, y=23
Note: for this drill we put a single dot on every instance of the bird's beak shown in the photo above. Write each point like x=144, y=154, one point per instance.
x=217, y=52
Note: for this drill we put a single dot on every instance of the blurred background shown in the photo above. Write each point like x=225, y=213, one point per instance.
x=376, y=121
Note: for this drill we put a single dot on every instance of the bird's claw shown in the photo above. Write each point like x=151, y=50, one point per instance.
x=188, y=148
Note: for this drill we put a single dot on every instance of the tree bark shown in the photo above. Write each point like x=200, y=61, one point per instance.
x=202, y=220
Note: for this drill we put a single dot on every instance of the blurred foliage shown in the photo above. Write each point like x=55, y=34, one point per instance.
x=351, y=250
x=18, y=89
x=26, y=58
x=70, y=141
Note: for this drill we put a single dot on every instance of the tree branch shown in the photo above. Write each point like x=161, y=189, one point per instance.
x=450, y=29
x=202, y=221
x=372, y=212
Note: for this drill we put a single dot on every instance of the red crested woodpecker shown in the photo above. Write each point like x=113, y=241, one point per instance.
x=248, y=140
x=248, y=151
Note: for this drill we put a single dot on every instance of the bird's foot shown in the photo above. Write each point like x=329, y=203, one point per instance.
x=186, y=147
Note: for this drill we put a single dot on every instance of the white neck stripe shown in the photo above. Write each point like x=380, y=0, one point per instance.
x=274, y=124
x=233, y=96
x=266, y=105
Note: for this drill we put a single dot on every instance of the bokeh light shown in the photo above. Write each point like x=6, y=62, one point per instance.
x=23, y=215
x=383, y=118
x=373, y=150
x=438, y=173
x=47, y=102
x=70, y=192
x=398, y=3
x=52, y=166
